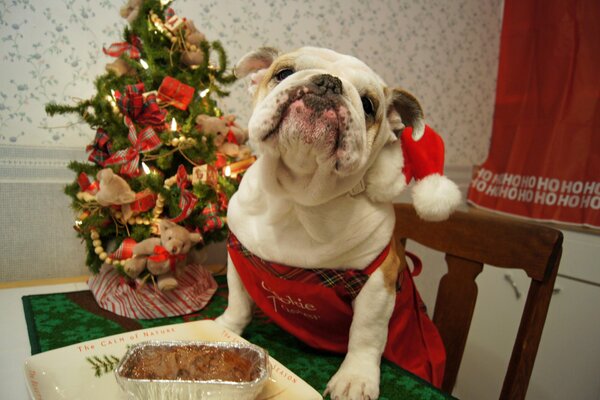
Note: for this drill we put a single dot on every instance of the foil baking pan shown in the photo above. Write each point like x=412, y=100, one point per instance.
x=196, y=370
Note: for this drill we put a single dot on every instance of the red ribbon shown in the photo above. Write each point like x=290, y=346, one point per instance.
x=187, y=200
x=231, y=137
x=86, y=184
x=161, y=254
x=221, y=160
x=143, y=110
x=145, y=141
x=124, y=251
x=131, y=50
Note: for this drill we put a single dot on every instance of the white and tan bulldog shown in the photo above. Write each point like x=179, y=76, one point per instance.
x=319, y=197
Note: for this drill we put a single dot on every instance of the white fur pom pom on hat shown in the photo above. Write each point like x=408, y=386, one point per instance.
x=434, y=196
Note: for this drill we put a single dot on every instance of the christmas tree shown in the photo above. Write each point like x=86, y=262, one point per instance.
x=162, y=148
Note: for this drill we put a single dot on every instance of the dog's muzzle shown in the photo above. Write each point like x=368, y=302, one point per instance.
x=314, y=113
x=327, y=82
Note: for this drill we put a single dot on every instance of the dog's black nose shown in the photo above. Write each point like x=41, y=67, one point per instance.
x=328, y=82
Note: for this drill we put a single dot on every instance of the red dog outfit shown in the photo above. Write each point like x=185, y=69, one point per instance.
x=315, y=305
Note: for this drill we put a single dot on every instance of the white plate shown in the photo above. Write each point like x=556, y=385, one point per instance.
x=67, y=373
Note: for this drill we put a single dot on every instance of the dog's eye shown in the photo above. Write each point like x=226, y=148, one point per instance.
x=368, y=106
x=284, y=73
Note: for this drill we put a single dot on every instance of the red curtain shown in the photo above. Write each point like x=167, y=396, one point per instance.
x=544, y=158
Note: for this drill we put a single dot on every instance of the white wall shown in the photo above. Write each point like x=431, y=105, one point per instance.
x=446, y=53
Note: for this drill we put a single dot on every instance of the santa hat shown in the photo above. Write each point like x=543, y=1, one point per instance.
x=434, y=196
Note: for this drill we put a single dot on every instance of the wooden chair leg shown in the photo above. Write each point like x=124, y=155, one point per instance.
x=453, y=314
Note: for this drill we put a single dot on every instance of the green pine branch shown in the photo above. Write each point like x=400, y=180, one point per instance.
x=102, y=365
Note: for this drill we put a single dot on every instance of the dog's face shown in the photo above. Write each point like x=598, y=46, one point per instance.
x=322, y=115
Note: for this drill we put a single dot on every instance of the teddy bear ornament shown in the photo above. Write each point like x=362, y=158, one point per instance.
x=165, y=256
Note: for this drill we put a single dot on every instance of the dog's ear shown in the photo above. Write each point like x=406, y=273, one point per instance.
x=255, y=64
x=385, y=180
x=405, y=110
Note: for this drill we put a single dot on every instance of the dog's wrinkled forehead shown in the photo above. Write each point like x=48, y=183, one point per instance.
x=312, y=57
x=349, y=68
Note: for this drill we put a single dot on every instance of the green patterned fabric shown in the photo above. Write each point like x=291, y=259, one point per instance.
x=62, y=319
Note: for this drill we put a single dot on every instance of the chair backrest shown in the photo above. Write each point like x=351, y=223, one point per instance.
x=470, y=240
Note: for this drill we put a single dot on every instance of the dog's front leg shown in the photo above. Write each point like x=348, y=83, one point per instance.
x=358, y=376
x=240, y=307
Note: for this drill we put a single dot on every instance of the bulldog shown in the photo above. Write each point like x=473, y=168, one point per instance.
x=312, y=222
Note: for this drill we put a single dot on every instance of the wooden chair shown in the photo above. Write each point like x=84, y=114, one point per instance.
x=470, y=240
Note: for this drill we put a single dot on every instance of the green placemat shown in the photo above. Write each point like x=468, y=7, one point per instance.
x=61, y=319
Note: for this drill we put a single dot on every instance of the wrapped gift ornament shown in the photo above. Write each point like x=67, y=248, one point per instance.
x=174, y=23
x=206, y=174
x=175, y=93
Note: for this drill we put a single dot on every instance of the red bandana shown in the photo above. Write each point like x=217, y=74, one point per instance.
x=315, y=305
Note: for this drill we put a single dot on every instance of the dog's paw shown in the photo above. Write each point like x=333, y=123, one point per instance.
x=354, y=383
x=226, y=322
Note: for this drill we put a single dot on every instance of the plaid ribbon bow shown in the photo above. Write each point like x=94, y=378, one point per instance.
x=146, y=141
x=212, y=219
x=187, y=200
x=161, y=254
x=100, y=148
x=223, y=200
x=143, y=110
x=131, y=50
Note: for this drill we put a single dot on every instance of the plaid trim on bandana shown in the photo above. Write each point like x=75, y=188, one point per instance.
x=351, y=280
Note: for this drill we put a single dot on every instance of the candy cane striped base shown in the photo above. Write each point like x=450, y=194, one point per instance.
x=196, y=287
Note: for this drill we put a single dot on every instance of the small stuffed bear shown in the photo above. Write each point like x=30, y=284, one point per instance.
x=241, y=135
x=113, y=189
x=131, y=10
x=120, y=68
x=193, y=56
x=211, y=125
x=163, y=256
x=220, y=128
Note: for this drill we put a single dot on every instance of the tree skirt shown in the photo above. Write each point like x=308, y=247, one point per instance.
x=112, y=293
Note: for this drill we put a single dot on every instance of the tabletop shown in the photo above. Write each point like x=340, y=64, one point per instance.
x=14, y=346
x=310, y=365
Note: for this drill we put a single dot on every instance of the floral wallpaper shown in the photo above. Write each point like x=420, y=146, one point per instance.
x=444, y=52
